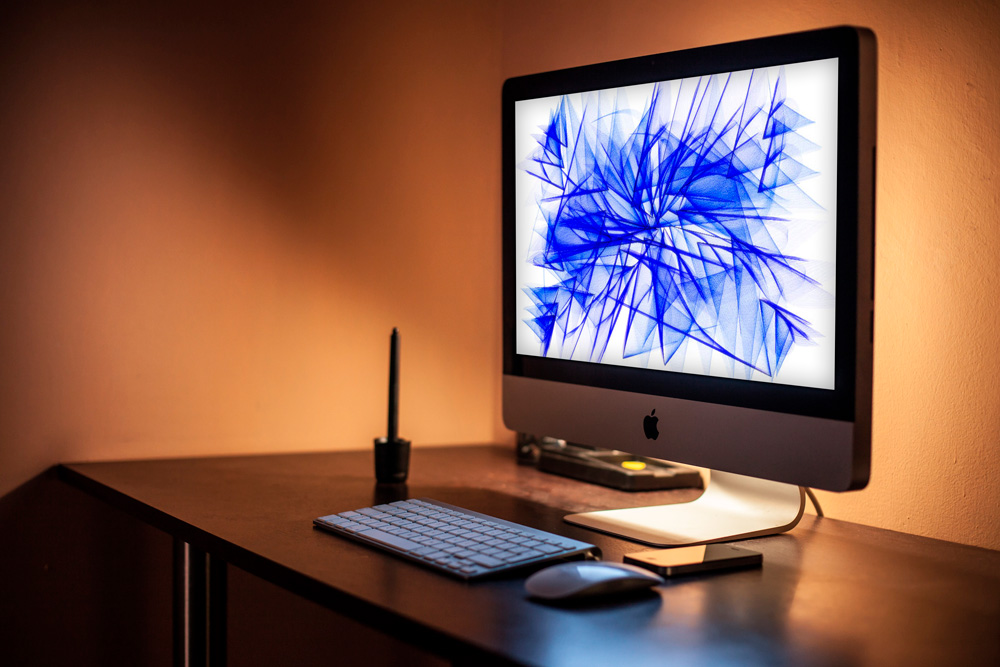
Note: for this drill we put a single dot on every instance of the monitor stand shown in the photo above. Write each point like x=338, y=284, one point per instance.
x=733, y=507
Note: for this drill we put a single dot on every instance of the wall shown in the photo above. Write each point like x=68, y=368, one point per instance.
x=212, y=217
x=937, y=362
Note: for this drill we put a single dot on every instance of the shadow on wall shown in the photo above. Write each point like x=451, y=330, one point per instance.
x=243, y=79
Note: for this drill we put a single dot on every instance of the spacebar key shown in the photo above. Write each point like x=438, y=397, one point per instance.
x=376, y=535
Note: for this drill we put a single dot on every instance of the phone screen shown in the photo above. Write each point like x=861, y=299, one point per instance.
x=700, y=558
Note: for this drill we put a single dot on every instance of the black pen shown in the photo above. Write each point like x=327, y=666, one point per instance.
x=392, y=453
x=393, y=430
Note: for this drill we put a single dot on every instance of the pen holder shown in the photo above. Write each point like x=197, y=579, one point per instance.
x=392, y=460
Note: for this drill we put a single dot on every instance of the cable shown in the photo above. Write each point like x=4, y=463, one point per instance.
x=812, y=497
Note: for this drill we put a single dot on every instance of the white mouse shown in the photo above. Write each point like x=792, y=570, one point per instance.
x=582, y=579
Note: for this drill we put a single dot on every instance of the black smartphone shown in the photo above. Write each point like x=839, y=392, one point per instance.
x=691, y=560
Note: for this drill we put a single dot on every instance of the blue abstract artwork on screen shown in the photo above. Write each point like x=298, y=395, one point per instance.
x=662, y=222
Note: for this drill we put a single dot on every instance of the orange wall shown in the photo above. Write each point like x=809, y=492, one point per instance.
x=211, y=219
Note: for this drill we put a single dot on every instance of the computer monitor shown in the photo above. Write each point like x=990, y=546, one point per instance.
x=688, y=271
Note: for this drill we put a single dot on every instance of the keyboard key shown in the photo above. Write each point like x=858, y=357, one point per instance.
x=392, y=540
x=488, y=561
x=353, y=527
x=424, y=550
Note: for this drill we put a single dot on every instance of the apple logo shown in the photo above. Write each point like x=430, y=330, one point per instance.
x=649, y=425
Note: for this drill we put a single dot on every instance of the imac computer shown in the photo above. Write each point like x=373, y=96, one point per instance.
x=688, y=271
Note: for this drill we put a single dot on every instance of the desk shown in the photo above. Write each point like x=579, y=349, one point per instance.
x=829, y=592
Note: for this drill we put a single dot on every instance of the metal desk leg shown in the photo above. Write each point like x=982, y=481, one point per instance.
x=199, y=608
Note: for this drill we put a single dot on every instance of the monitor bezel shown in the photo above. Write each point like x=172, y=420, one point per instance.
x=843, y=401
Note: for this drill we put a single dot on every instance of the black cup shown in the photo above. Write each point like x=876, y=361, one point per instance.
x=392, y=460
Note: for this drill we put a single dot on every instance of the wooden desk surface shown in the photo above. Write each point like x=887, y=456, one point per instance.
x=829, y=592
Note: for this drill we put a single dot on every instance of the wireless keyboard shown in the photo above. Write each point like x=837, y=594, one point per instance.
x=450, y=539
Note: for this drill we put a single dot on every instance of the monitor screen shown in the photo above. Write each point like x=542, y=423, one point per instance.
x=685, y=225
x=688, y=243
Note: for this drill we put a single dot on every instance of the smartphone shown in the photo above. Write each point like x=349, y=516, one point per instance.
x=691, y=560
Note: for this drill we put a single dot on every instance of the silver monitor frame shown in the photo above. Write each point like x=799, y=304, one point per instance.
x=802, y=437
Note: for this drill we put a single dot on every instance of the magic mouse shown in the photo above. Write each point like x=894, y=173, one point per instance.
x=584, y=579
